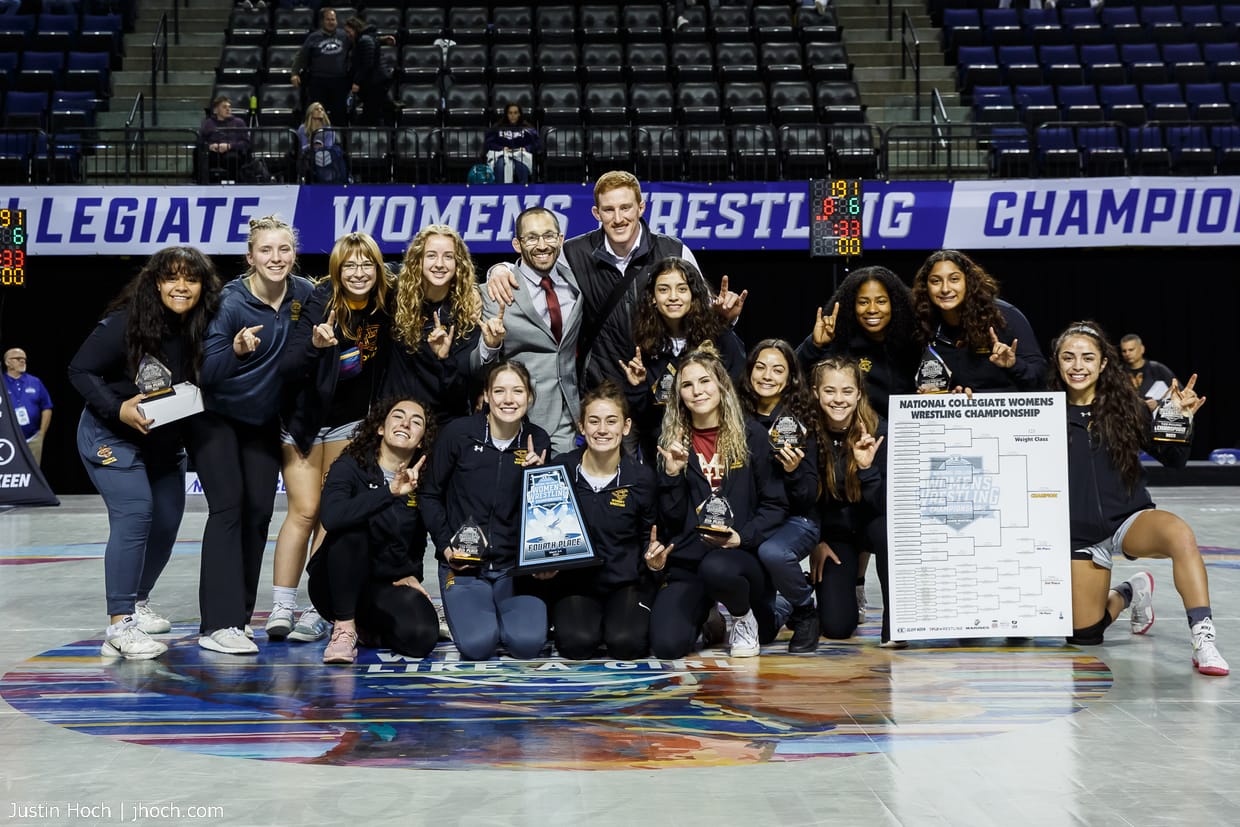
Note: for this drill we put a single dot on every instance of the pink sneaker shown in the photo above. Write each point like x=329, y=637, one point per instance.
x=342, y=648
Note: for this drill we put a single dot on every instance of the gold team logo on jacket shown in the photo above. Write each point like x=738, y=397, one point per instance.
x=619, y=497
x=105, y=455
x=865, y=364
x=295, y=310
x=412, y=502
x=519, y=456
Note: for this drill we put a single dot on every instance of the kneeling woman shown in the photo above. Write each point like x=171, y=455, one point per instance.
x=1108, y=426
x=369, y=570
x=616, y=494
x=474, y=480
x=708, y=449
x=851, y=463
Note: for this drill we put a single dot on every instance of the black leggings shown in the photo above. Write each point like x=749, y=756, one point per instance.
x=619, y=618
x=238, y=465
x=341, y=587
x=731, y=576
x=837, y=593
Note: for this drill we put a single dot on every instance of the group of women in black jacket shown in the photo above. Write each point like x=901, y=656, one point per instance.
x=745, y=466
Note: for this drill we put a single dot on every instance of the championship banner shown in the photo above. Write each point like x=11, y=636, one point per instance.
x=977, y=516
x=728, y=215
x=21, y=480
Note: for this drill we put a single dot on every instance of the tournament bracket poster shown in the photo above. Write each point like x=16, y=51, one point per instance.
x=977, y=516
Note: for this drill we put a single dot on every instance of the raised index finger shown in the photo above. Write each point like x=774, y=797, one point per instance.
x=1192, y=380
x=835, y=311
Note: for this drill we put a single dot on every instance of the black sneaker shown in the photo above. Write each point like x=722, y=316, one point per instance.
x=805, y=632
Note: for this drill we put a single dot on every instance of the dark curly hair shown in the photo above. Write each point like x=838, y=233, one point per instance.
x=864, y=418
x=365, y=440
x=701, y=323
x=150, y=322
x=1120, y=421
x=900, y=332
x=978, y=311
x=795, y=397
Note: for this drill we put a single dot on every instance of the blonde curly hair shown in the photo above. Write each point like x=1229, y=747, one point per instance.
x=731, y=445
x=409, y=321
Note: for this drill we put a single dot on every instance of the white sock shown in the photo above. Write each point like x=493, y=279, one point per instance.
x=284, y=596
x=116, y=628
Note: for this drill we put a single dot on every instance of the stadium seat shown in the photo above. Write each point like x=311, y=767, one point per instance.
x=606, y=103
x=564, y=153
x=1190, y=150
x=556, y=24
x=1079, y=102
x=557, y=62
x=745, y=103
x=653, y=104
x=644, y=23
x=467, y=63
x=1057, y=154
x=419, y=104
x=803, y=151
x=854, y=150
x=512, y=63
x=461, y=148
x=1061, y=63
x=1208, y=102
x=1102, y=150
x=512, y=24
x=600, y=24
x=707, y=153
x=755, y=153
x=647, y=63
x=559, y=104
x=827, y=61
x=1147, y=153
x=1122, y=102
x=794, y=101
x=467, y=104
x=1020, y=65
x=738, y=62
x=609, y=147
x=602, y=62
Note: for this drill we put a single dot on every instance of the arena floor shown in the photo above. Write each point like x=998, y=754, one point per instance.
x=951, y=732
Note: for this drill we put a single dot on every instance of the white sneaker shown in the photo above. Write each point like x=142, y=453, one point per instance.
x=149, y=620
x=861, y=605
x=249, y=631
x=280, y=621
x=131, y=643
x=744, y=637
x=445, y=633
x=1142, y=605
x=230, y=641
x=310, y=627
x=1205, y=655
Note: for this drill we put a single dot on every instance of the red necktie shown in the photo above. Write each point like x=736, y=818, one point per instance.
x=553, y=307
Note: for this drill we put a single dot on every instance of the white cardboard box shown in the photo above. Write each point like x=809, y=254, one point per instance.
x=185, y=400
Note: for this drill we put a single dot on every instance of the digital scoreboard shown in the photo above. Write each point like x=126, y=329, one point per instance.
x=835, y=217
x=13, y=237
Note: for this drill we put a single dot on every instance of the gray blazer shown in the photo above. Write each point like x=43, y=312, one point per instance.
x=552, y=367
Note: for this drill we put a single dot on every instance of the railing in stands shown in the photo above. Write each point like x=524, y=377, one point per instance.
x=137, y=112
x=891, y=18
x=159, y=59
x=938, y=110
x=929, y=151
x=910, y=54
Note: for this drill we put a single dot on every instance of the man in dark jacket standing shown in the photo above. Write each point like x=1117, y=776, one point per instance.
x=369, y=81
x=324, y=60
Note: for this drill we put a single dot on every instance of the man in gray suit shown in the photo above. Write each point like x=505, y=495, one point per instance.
x=541, y=326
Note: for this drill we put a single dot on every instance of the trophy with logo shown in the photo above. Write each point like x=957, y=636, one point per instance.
x=163, y=401
x=1171, y=424
x=715, y=516
x=470, y=543
x=933, y=374
x=664, y=386
x=552, y=534
x=787, y=432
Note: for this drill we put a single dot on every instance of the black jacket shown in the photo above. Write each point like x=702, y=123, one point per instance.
x=888, y=369
x=311, y=374
x=469, y=477
x=1098, y=499
x=447, y=385
x=100, y=371
x=973, y=369
x=842, y=520
x=618, y=520
x=596, y=276
x=753, y=490
x=801, y=486
x=354, y=497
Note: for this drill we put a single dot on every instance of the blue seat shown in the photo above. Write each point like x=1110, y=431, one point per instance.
x=1102, y=150
x=1205, y=25
x=1079, y=102
x=1190, y=150
x=1001, y=27
x=977, y=66
x=1020, y=64
x=1122, y=102
x=88, y=71
x=1103, y=64
x=1164, y=102
x=25, y=110
x=1037, y=104
x=1010, y=153
x=994, y=104
x=1122, y=24
x=16, y=32
x=1058, y=156
x=962, y=27
x=1208, y=102
x=56, y=32
x=16, y=151
x=1185, y=62
x=1223, y=60
x=1147, y=154
x=1060, y=63
x=1225, y=138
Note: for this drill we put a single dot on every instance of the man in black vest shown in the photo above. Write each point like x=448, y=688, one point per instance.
x=611, y=265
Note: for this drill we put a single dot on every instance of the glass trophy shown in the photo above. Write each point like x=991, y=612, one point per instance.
x=163, y=402
x=787, y=431
x=663, y=388
x=933, y=375
x=470, y=543
x=153, y=379
x=715, y=515
x=1171, y=424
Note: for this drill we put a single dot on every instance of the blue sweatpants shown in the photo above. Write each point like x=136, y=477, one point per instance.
x=483, y=611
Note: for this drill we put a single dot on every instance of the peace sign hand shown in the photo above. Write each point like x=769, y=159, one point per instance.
x=656, y=552
x=324, y=334
x=824, y=326
x=246, y=342
x=1000, y=354
x=633, y=369
x=440, y=340
x=493, y=331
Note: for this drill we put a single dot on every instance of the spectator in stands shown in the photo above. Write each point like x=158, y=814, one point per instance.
x=31, y=403
x=227, y=140
x=322, y=159
x=510, y=145
x=985, y=343
x=612, y=265
x=1151, y=379
x=324, y=61
x=371, y=84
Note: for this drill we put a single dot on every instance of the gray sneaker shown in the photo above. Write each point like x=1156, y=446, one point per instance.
x=280, y=621
x=230, y=641
x=310, y=627
x=149, y=620
x=132, y=643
